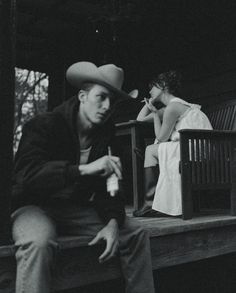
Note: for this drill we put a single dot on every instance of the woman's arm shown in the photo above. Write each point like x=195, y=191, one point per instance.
x=157, y=124
x=146, y=115
x=171, y=114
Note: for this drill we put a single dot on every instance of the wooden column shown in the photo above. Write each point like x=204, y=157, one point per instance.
x=7, y=82
x=56, y=88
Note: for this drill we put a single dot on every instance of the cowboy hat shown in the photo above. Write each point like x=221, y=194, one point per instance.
x=108, y=75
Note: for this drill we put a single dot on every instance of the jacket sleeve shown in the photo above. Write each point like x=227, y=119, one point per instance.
x=110, y=208
x=34, y=168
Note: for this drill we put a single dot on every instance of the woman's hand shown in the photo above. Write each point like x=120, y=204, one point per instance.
x=150, y=105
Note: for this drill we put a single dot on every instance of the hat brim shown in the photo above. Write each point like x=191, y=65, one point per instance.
x=88, y=73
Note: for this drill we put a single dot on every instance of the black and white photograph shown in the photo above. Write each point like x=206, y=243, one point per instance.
x=117, y=146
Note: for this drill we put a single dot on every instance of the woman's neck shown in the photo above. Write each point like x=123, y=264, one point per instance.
x=166, y=98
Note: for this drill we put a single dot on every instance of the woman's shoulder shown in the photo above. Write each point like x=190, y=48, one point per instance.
x=176, y=108
x=179, y=101
x=177, y=104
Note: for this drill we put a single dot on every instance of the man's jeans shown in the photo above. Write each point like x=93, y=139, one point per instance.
x=35, y=233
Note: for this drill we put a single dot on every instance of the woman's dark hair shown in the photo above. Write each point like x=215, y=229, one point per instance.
x=170, y=80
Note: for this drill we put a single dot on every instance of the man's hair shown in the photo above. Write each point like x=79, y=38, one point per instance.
x=170, y=80
x=87, y=86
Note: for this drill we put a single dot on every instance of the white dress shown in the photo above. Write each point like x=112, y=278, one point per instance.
x=167, y=197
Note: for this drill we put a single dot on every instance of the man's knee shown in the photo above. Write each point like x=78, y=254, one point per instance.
x=33, y=228
x=42, y=242
x=133, y=228
x=142, y=234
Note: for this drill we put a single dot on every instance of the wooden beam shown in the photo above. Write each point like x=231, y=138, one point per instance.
x=7, y=81
x=56, y=88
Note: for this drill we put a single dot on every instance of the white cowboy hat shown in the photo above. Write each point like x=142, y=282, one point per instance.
x=108, y=75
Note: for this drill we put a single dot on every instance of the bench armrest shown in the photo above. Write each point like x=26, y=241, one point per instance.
x=199, y=145
x=204, y=134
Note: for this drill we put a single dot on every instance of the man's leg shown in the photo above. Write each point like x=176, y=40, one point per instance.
x=136, y=258
x=134, y=245
x=35, y=239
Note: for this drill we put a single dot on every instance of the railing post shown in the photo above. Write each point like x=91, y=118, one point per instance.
x=7, y=82
x=187, y=200
x=233, y=178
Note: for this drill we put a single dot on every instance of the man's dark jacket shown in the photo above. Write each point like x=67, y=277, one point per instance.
x=46, y=164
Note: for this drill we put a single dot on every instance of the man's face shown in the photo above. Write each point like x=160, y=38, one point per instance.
x=96, y=104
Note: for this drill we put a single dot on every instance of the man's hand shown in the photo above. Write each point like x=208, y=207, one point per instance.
x=110, y=234
x=104, y=166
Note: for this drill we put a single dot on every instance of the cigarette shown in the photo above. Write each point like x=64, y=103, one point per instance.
x=109, y=151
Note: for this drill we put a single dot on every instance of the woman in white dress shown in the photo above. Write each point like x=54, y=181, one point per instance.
x=164, y=195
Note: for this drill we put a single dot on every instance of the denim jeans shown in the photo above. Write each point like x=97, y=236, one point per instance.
x=35, y=234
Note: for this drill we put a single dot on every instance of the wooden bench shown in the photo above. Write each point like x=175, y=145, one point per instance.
x=208, y=158
x=173, y=242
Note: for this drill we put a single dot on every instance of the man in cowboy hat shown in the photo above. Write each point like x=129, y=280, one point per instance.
x=60, y=173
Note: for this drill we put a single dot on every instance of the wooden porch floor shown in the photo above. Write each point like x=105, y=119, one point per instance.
x=173, y=242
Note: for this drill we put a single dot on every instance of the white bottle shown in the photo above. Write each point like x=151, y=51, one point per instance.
x=112, y=181
x=112, y=185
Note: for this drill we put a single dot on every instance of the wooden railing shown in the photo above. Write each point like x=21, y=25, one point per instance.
x=208, y=161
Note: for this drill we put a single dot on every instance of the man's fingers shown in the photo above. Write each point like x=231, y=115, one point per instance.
x=117, y=161
x=106, y=252
x=107, y=170
x=109, y=254
x=116, y=169
x=114, y=250
x=95, y=240
x=111, y=165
